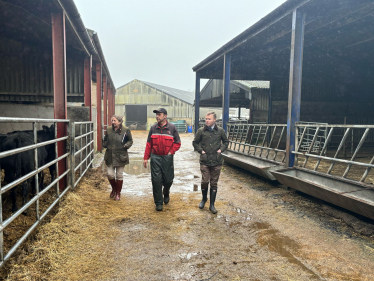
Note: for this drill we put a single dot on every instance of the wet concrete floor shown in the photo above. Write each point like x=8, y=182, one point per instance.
x=261, y=232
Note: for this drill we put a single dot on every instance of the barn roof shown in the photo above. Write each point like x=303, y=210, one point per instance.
x=251, y=84
x=184, y=96
x=211, y=94
x=335, y=30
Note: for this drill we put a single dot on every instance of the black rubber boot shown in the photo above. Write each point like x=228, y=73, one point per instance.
x=213, y=194
x=159, y=208
x=166, y=192
x=204, y=192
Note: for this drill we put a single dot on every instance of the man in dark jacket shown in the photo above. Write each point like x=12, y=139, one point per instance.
x=163, y=141
x=210, y=141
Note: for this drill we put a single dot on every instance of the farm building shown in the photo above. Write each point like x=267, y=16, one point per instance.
x=51, y=66
x=137, y=99
x=244, y=95
x=318, y=58
x=56, y=97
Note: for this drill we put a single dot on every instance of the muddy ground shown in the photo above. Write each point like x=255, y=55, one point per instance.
x=261, y=231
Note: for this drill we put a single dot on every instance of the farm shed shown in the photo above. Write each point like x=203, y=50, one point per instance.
x=318, y=56
x=137, y=99
x=52, y=72
x=252, y=95
x=51, y=66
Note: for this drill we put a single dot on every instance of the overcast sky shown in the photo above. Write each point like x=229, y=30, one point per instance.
x=159, y=41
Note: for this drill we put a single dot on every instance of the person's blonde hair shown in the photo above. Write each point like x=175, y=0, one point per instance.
x=212, y=113
x=118, y=117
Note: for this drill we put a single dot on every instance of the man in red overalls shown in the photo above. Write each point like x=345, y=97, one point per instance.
x=163, y=141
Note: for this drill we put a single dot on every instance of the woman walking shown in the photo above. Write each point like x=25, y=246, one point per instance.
x=117, y=141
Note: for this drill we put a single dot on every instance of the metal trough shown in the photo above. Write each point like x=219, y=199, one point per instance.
x=351, y=195
x=256, y=165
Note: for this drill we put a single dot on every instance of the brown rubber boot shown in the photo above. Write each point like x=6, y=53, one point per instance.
x=114, y=187
x=118, y=190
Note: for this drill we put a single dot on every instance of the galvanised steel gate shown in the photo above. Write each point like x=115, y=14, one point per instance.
x=266, y=141
x=84, y=142
x=363, y=150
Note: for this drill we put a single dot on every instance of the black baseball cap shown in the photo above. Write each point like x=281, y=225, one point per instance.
x=160, y=110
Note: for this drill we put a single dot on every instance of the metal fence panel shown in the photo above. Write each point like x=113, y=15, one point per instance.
x=335, y=159
x=266, y=141
x=85, y=140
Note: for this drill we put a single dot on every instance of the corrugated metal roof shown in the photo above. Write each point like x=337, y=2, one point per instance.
x=254, y=84
x=185, y=96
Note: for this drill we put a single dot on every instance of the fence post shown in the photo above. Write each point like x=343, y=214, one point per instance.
x=72, y=152
x=36, y=167
x=1, y=222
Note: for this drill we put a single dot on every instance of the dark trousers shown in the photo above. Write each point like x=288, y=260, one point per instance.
x=162, y=174
x=210, y=174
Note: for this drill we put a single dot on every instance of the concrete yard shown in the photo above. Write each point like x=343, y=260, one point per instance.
x=261, y=232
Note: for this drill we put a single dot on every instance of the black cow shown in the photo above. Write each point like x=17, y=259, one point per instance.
x=20, y=164
x=46, y=134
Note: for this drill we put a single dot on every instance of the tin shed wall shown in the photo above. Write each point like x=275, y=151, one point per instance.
x=26, y=74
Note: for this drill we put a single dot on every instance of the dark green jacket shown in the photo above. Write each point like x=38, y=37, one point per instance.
x=117, y=143
x=210, y=142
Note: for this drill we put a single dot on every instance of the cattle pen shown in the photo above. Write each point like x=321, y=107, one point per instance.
x=56, y=101
x=67, y=178
x=318, y=136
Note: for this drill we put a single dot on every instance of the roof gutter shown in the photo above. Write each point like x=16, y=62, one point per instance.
x=276, y=15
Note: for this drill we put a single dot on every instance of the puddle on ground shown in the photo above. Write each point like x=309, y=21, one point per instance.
x=143, y=186
x=283, y=245
x=135, y=167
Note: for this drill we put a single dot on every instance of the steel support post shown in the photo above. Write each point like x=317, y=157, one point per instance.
x=105, y=100
x=270, y=104
x=269, y=112
x=294, y=94
x=109, y=104
x=226, y=90
x=72, y=154
x=98, y=106
x=59, y=86
x=197, y=101
x=87, y=83
x=113, y=102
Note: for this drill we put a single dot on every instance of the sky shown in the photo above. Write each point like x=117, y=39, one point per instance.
x=159, y=41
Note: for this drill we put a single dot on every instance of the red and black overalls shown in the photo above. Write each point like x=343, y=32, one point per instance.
x=162, y=141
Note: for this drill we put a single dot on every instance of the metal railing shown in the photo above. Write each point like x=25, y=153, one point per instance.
x=266, y=141
x=38, y=193
x=331, y=160
x=85, y=138
x=309, y=134
x=86, y=147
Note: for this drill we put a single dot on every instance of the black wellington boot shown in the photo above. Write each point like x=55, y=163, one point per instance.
x=204, y=192
x=166, y=193
x=213, y=194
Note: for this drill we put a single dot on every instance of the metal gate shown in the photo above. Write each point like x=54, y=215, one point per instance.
x=84, y=153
